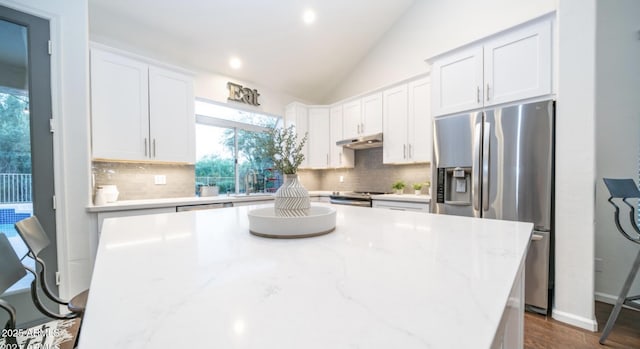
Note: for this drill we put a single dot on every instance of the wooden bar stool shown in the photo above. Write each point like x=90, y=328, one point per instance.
x=623, y=189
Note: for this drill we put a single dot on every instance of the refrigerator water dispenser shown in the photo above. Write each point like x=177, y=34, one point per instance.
x=454, y=186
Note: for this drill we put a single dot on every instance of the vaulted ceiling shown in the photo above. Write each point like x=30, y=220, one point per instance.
x=277, y=49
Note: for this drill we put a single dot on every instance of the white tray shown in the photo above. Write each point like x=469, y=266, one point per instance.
x=264, y=222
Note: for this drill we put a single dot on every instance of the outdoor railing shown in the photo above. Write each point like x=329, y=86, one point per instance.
x=15, y=188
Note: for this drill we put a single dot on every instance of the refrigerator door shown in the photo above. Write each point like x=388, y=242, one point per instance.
x=518, y=164
x=457, y=158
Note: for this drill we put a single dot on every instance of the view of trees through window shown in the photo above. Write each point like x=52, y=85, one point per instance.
x=228, y=154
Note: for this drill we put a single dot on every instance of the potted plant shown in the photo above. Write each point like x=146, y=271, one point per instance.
x=417, y=187
x=281, y=145
x=398, y=186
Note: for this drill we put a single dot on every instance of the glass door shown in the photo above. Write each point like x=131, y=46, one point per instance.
x=26, y=141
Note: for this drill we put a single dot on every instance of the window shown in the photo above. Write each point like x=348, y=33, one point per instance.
x=227, y=151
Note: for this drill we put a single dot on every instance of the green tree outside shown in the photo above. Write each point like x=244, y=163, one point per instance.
x=15, y=141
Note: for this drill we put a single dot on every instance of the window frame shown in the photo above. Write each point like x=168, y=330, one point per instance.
x=235, y=126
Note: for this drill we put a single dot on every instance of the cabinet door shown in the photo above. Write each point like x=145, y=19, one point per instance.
x=319, y=134
x=171, y=115
x=517, y=65
x=395, y=148
x=295, y=115
x=371, y=114
x=457, y=81
x=351, y=119
x=419, y=131
x=119, y=107
x=338, y=156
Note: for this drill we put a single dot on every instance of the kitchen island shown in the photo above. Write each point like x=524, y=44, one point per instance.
x=382, y=279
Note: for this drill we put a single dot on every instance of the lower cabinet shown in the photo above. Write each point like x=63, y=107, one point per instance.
x=319, y=199
x=401, y=205
x=128, y=213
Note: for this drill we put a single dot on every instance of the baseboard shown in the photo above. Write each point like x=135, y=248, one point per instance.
x=574, y=320
x=610, y=299
x=606, y=298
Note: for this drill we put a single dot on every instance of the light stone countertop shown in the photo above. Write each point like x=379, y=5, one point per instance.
x=382, y=279
x=185, y=201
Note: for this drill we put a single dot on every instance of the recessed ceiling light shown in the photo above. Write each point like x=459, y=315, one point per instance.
x=309, y=16
x=235, y=63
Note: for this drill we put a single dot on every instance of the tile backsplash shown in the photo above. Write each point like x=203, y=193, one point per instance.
x=368, y=174
x=136, y=180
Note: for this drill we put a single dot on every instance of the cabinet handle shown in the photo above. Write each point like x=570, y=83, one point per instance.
x=340, y=159
x=154, y=147
x=362, y=128
x=146, y=146
x=358, y=129
x=404, y=151
x=327, y=159
x=478, y=94
x=487, y=91
x=410, y=150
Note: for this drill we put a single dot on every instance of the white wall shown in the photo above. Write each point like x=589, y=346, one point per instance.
x=214, y=87
x=617, y=135
x=69, y=31
x=429, y=28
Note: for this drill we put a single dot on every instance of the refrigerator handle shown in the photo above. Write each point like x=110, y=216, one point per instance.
x=485, y=165
x=475, y=171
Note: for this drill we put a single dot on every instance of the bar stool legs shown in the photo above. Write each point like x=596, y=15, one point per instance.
x=622, y=299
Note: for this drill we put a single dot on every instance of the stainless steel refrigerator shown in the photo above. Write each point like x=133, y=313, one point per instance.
x=499, y=163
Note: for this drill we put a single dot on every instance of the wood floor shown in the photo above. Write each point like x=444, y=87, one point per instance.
x=544, y=332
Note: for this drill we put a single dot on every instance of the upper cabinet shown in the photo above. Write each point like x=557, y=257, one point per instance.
x=296, y=115
x=324, y=126
x=407, y=123
x=338, y=155
x=510, y=66
x=140, y=112
x=319, y=136
x=363, y=116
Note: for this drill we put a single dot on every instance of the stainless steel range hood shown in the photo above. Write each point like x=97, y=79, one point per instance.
x=364, y=142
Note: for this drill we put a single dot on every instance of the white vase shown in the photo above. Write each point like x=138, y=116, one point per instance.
x=417, y=191
x=292, y=199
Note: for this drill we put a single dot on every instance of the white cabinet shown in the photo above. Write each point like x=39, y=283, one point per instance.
x=371, y=114
x=401, y=205
x=517, y=65
x=420, y=124
x=140, y=112
x=319, y=137
x=352, y=119
x=395, y=125
x=128, y=213
x=511, y=66
x=363, y=117
x=457, y=81
x=171, y=116
x=296, y=115
x=407, y=123
x=338, y=156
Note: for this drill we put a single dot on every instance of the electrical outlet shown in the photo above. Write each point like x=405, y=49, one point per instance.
x=341, y=179
x=599, y=264
x=160, y=179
